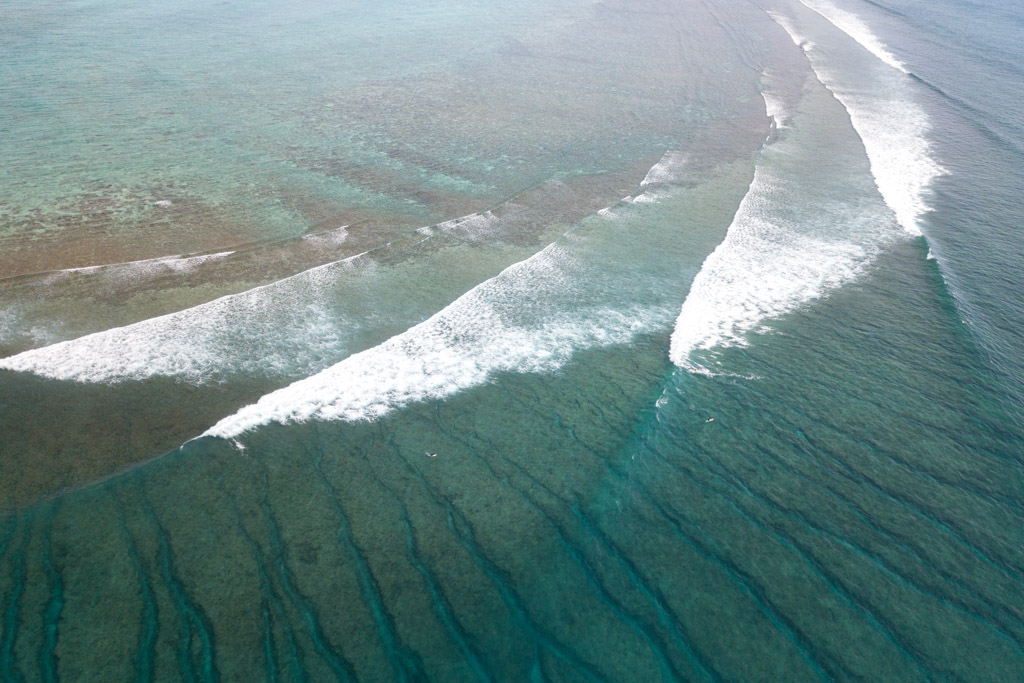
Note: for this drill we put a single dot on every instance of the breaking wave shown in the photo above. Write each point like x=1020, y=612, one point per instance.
x=808, y=224
x=520, y=321
x=853, y=26
x=893, y=128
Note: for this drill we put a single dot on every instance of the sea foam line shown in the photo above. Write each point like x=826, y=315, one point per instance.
x=518, y=321
x=123, y=270
x=671, y=169
x=854, y=26
x=797, y=234
x=132, y=270
x=178, y=262
x=281, y=328
x=532, y=317
x=892, y=127
x=195, y=343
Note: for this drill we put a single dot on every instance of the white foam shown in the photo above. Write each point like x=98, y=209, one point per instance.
x=480, y=224
x=774, y=103
x=179, y=263
x=648, y=197
x=328, y=237
x=134, y=270
x=259, y=331
x=853, y=26
x=806, y=226
x=669, y=169
x=893, y=128
x=775, y=109
x=283, y=328
x=761, y=271
x=526, y=319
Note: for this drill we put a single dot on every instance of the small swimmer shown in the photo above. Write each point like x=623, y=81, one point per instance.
x=429, y=454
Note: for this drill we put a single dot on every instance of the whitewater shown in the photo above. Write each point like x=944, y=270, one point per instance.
x=603, y=283
x=515, y=322
x=293, y=326
x=775, y=260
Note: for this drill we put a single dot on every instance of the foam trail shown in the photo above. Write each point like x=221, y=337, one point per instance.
x=204, y=341
x=477, y=226
x=774, y=103
x=892, y=126
x=133, y=270
x=532, y=317
x=327, y=237
x=668, y=170
x=673, y=168
x=292, y=326
x=809, y=223
x=179, y=263
x=289, y=328
x=775, y=108
x=853, y=26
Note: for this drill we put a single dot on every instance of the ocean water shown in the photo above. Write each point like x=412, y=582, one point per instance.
x=573, y=340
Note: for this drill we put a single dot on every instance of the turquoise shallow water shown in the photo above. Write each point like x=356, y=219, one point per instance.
x=705, y=384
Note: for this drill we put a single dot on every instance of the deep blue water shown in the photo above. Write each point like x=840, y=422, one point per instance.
x=575, y=341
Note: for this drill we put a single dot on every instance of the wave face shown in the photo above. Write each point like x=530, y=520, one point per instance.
x=669, y=169
x=809, y=223
x=893, y=128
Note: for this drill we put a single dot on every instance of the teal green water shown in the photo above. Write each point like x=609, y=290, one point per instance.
x=680, y=398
